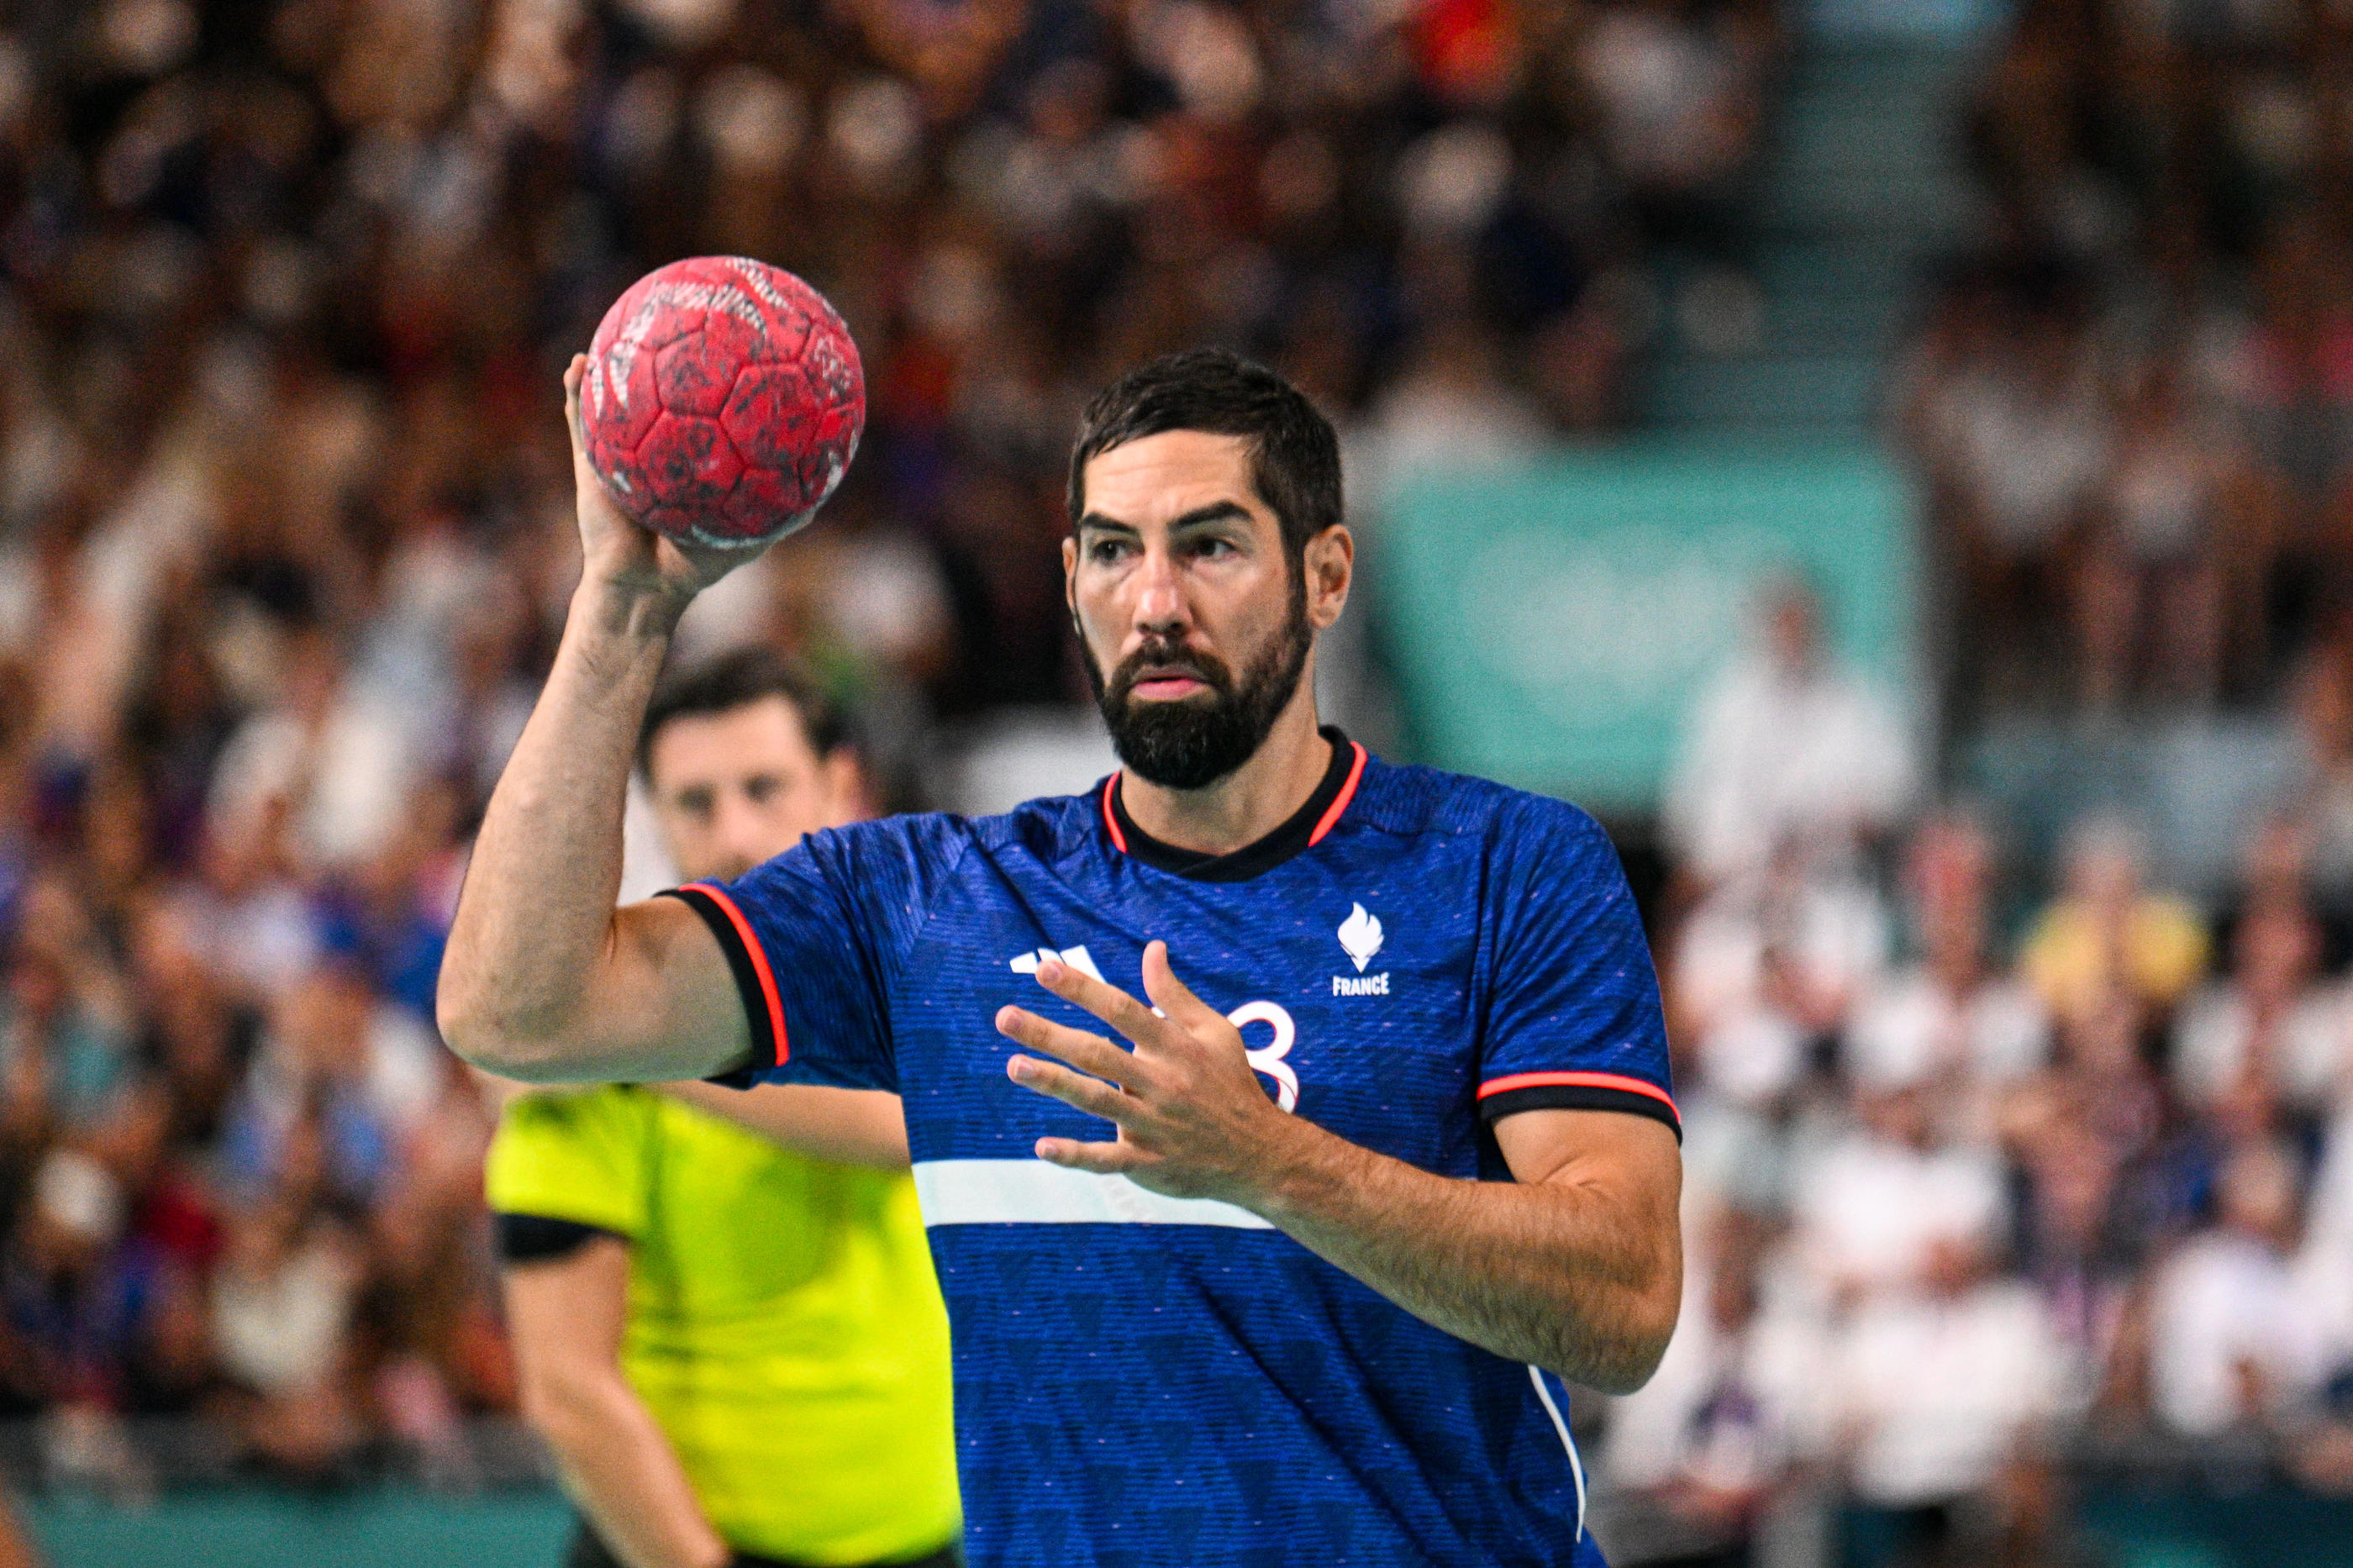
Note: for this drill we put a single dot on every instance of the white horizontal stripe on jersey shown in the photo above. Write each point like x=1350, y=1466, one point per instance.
x=1031, y=1192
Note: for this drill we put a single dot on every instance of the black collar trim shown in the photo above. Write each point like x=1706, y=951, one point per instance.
x=1303, y=830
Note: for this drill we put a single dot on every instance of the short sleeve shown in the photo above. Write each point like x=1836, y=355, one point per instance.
x=577, y=1156
x=817, y=939
x=1572, y=1020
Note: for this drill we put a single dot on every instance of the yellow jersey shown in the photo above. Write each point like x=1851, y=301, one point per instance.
x=785, y=1327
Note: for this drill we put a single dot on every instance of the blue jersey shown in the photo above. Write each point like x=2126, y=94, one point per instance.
x=1145, y=1380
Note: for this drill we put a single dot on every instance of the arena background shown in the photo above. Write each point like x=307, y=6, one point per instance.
x=1889, y=458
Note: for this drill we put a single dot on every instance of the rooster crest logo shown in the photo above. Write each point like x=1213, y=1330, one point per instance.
x=1360, y=935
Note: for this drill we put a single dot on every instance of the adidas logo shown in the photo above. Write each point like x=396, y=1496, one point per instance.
x=1078, y=958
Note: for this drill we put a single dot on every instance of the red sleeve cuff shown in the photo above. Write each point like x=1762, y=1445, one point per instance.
x=1516, y=1092
x=756, y=983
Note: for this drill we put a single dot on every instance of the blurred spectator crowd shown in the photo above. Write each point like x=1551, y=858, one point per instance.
x=1989, y=1161
x=2134, y=405
x=286, y=287
x=1991, y=1181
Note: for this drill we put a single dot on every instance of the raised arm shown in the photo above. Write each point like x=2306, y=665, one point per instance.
x=544, y=979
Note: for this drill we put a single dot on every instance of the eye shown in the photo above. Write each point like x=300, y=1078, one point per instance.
x=1105, y=552
x=1211, y=547
x=760, y=788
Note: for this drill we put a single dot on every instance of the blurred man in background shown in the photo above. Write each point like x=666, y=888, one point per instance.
x=737, y=1351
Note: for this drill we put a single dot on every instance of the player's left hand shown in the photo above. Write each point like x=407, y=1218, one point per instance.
x=1193, y=1122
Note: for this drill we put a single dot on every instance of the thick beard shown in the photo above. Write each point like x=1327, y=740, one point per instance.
x=1193, y=742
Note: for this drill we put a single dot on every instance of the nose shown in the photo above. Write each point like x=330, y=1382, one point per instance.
x=1160, y=608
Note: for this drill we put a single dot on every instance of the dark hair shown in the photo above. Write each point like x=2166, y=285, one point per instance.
x=1293, y=455
x=737, y=679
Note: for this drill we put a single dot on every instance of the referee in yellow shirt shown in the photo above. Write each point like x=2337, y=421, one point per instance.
x=737, y=1352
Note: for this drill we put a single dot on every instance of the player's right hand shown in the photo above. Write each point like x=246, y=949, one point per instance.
x=617, y=549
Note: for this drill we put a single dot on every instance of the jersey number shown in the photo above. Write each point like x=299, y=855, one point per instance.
x=1268, y=1059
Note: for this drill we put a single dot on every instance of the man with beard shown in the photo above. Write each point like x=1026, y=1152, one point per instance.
x=1294, y=1275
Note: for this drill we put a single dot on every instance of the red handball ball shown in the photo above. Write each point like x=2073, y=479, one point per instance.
x=722, y=401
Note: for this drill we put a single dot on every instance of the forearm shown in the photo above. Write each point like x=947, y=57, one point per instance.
x=1563, y=1274
x=536, y=915
x=859, y=1127
x=621, y=1471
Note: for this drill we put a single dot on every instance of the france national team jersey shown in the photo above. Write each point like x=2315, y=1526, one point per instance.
x=1144, y=1380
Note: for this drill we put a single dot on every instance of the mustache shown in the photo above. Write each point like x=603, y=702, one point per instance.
x=1165, y=658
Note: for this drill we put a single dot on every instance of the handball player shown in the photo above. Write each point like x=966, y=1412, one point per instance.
x=1290, y=1126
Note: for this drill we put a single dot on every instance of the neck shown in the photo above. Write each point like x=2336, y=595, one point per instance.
x=1248, y=803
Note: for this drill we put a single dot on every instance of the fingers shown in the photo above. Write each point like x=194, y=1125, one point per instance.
x=1088, y=1053
x=1091, y=1095
x=1130, y=1017
x=1169, y=993
x=1104, y=1158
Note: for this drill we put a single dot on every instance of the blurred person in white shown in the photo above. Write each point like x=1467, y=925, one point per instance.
x=2324, y=1263
x=1870, y=1205
x=2024, y=438
x=1786, y=748
x=1698, y=1458
x=1949, y=1018
x=1763, y=975
x=1678, y=87
x=108, y=551
x=2153, y=579
x=1789, y=940
x=1755, y=1052
x=2233, y=1341
x=283, y=1296
x=2272, y=1018
x=1942, y=1394
x=334, y=754
x=246, y=911
x=1451, y=407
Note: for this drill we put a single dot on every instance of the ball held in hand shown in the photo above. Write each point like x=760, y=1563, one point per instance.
x=722, y=401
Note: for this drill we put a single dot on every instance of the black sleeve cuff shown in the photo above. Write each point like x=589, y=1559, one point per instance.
x=760, y=1009
x=536, y=1238
x=1579, y=1097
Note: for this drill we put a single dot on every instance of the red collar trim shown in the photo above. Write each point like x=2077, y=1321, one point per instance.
x=1307, y=828
x=1340, y=802
x=1111, y=817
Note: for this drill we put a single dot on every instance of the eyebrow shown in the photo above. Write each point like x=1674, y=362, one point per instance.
x=1216, y=512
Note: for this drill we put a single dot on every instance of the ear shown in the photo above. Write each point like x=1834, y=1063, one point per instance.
x=1330, y=564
